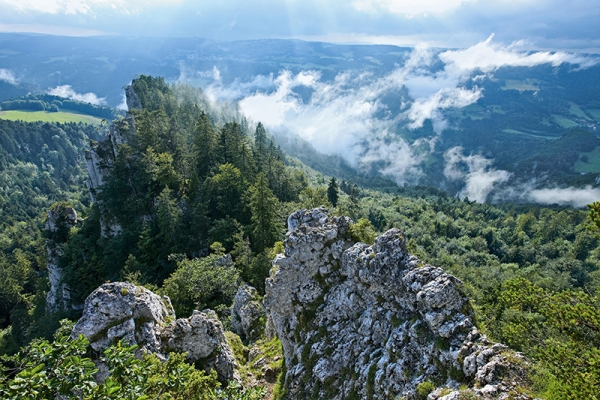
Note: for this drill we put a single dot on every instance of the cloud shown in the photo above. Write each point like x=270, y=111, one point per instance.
x=443, y=89
x=7, y=76
x=123, y=104
x=488, y=56
x=475, y=170
x=444, y=23
x=349, y=115
x=430, y=107
x=342, y=117
x=84, y=6
x=68, y=92
x=566, y=196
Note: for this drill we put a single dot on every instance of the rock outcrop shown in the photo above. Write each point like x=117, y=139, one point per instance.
x=359, y=321
x=101, y=157
x=60, y=220
x=123, y=311
x=247, y=314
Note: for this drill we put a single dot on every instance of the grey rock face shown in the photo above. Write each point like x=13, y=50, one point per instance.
x=123, y=311
x=59, y=221
x=99, y=159
x=370, y=321
x=133, y=100
x=247, y=314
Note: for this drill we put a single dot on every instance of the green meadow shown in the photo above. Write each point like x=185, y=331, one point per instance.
x=45, y=116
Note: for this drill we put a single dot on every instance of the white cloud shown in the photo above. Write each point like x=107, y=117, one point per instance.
x=340, y=117
x=434, y=92
x=7, y=76
x=123, y=104
x=346, y=116
x=487, y=57
x=566, y=196
x=430, y=107
x=475, y=170
x=68, y=92
x=84, y=6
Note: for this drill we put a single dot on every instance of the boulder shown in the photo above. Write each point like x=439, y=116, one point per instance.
x=123, y=311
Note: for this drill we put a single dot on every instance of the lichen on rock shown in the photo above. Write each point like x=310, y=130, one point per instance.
x=123, y=311
x=359, y=321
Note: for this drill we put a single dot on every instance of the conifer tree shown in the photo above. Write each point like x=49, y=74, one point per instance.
x=204, y=147
x=332, y=192
x=263, y=204
x=260, y=147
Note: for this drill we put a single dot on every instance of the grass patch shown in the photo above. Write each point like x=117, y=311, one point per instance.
x=577, y=111
x=564, y=122
x=512, y=84
x=588, y=162
x=594, y=112
x=516, y=132
x=45, y=116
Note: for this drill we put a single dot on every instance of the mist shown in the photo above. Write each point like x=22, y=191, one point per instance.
x=477, y=173
x=346, y=116
x=68, y=92
x=8, y=76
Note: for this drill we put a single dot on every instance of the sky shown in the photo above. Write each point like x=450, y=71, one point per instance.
x=540, y=24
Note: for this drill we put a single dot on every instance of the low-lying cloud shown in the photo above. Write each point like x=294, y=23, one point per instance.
x=437, y=91
x=7, y=75
x=565, y=196
x=68, y=92
x=476, y=171
x=347, y=115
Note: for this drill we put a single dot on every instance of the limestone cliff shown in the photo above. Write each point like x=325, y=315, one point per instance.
x=60, y=220
x=362, y=322
x=101, y=157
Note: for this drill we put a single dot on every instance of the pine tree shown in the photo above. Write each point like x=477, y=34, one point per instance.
x=332, y=192
x=260, y=147
x=263, y=204
x=204, y=147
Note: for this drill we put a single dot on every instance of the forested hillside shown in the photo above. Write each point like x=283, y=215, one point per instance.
x=189, y=183
x=40, y=164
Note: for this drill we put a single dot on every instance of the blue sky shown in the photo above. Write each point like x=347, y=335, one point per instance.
x=543, y=24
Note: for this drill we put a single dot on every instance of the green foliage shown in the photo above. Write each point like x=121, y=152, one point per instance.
x=201, y=283
x=311, y=198
x=363, y=231
x=424, y=388
x=560, y=329
x=48, y=370
x=594, y=216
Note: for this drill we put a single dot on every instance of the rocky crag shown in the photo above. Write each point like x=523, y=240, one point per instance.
x=60, y=220
x=122, y=311
x=102, y=155
x=374, y=322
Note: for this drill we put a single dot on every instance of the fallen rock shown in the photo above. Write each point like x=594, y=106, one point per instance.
x=359, y=321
